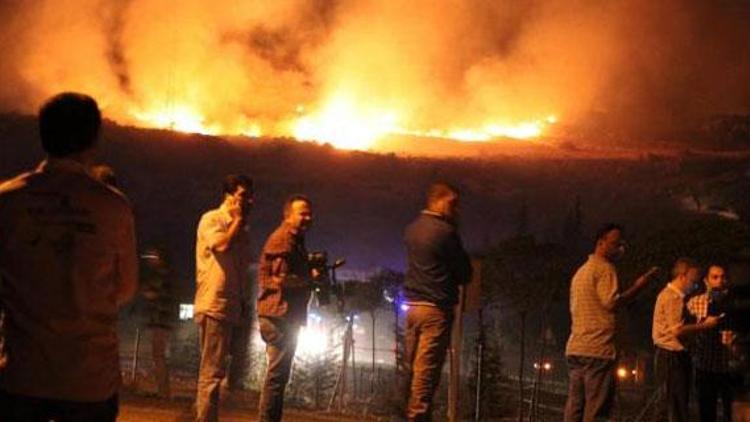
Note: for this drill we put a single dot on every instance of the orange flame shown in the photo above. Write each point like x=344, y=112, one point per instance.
x=341, y=122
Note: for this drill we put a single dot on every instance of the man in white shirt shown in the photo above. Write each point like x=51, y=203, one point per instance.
x=222, y=297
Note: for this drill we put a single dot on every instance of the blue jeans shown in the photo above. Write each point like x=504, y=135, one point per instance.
x=591, y=389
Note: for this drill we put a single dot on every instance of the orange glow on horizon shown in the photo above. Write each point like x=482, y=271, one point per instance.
x=341, y=122
x=182, y=118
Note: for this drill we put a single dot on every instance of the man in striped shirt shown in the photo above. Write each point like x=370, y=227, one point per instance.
x=594, y=299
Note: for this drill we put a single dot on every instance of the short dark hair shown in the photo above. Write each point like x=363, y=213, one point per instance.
x=69, y=123
x=682, y=266
x=292, y=199
x=714, y=264
x=233, y=181
x=605, y=229
x=440, y=190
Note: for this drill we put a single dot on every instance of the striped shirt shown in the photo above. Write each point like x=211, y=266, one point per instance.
x=593, y=294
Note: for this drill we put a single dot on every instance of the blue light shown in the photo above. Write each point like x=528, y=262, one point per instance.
x=404, y=307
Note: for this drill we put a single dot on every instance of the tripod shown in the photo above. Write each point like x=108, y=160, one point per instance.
x=339, y=390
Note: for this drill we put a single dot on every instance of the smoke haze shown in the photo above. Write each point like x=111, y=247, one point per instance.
x=258, y=67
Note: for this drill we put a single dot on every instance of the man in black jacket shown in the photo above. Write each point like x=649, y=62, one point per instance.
x=437, y=265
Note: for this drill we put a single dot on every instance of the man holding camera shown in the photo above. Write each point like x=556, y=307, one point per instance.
x=437, y=266
x=712, y=348
x=284, y=280
x=222, y=257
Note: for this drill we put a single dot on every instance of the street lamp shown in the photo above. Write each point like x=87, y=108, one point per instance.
x=622, y=372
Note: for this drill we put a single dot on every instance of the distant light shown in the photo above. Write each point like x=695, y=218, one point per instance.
x=388, y=297
x=312, y=341
x=634, y=372
x=622, y=372
x=186, y=311
x=404, y=307
x=356, y=317
x=547, y=366
x=313, y=317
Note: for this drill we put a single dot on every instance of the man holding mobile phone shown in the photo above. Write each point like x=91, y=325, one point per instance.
x=222, y=297
x=669, y=331
x=712, y=348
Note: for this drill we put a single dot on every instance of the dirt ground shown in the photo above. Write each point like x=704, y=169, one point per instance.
x=136, y=408
x=140, y=404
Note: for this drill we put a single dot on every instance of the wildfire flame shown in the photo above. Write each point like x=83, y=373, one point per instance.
x=345, y=124
x=342, y=122
x=181, y=118
x=184, y=118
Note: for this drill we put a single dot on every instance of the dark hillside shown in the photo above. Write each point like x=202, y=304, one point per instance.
x=362, y=200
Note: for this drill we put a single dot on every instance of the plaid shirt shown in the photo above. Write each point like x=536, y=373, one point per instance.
x=593, y=294
x=709, y=354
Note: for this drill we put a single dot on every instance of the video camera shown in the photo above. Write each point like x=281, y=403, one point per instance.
x=325, y=284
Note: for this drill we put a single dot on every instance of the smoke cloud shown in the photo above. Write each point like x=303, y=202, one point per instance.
x=418, y=64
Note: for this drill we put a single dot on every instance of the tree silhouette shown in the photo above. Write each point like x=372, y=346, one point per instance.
x=526, y=276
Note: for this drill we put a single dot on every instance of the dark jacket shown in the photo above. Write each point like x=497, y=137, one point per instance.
x=284, y=277
x=157, y=290
x=437, y=262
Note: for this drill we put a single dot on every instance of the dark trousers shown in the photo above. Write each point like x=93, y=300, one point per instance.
x=214, y=343
x=673, y=376
x=427, y=337
x=32, y=409
x=281, y=341
x=239, y=365
x=159, y=342
x=710, y=387
x=591, y=389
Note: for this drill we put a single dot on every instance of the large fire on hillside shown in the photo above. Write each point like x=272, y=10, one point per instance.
x=352, y=73
x=343, y=124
